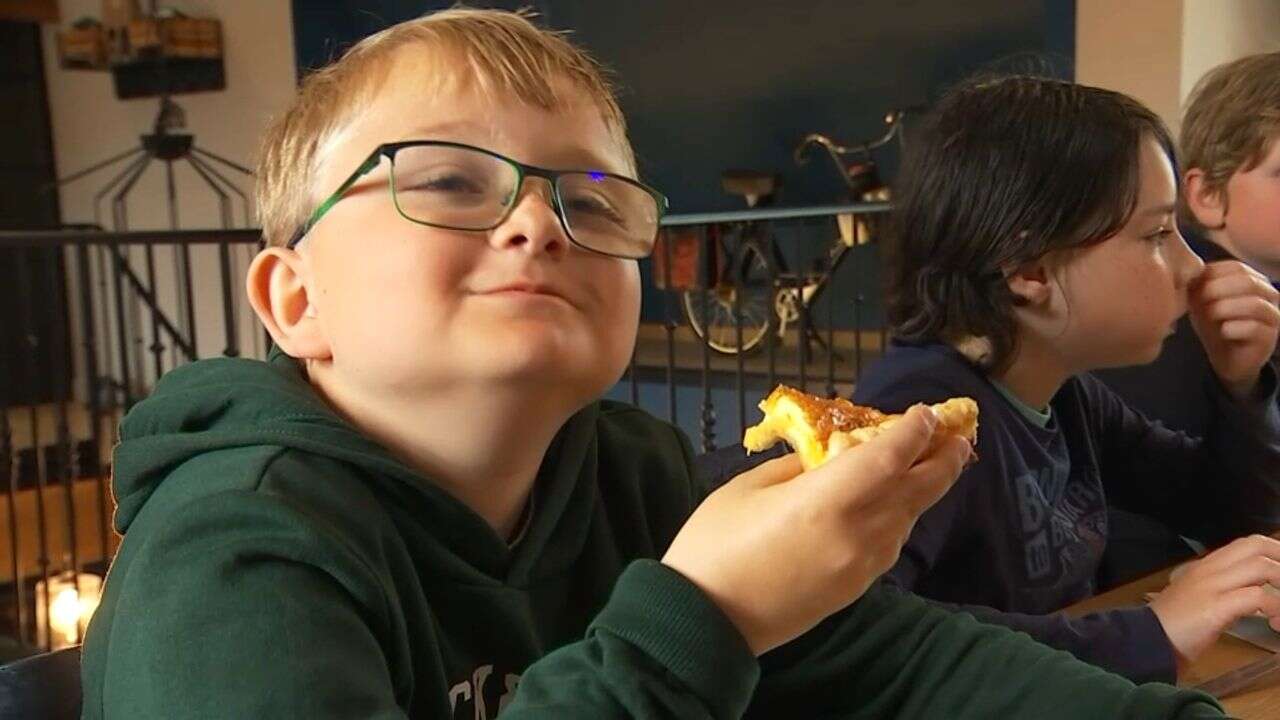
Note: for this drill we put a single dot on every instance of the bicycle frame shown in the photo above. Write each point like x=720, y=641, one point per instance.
x=793, y=294
x=810, y=292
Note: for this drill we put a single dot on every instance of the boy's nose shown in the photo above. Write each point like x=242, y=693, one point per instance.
x=532, y=225
x=1189, y=265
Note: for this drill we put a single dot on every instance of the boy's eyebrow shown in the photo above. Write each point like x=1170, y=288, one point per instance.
x=583, y=158
x=1166, y=209
x=425, y=132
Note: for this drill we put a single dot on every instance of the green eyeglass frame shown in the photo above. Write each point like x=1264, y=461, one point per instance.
x=523, y=171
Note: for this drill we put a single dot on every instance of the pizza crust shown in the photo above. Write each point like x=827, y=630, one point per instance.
x=818, y=429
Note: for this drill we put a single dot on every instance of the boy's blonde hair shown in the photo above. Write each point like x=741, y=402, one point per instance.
x=1233, y=116
x=498, y=52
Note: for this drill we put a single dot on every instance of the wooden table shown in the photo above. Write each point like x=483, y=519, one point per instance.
x=1259, y=702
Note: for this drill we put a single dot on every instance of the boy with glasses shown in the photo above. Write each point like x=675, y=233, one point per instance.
x=417, y=507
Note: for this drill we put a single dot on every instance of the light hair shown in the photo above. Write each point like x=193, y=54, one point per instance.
x=1232, y=117
x=500, y=53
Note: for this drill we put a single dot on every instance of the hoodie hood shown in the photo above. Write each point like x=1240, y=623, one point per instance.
x=228, y=403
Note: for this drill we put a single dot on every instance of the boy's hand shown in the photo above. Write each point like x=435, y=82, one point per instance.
x=779, y=550
x=1233, y=309
x=1217, y=590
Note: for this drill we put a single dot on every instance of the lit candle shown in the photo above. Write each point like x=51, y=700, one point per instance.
x=68, y=609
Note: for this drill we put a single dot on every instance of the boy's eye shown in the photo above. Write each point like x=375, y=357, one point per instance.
x=594, y=205
x=448, y=183
x=1160, y=234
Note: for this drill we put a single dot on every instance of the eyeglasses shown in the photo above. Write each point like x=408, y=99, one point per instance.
x=460, y=187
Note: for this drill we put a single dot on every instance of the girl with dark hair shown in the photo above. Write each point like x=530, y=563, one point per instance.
x=1036, y=241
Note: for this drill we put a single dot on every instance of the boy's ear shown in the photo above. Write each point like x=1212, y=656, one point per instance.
x=1030, y=283
x=1208, y=206
x=277, y=288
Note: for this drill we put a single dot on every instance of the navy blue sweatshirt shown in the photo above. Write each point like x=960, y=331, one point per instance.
x=1021, y=533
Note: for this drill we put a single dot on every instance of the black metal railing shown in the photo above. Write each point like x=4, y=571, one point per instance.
x=816, y=266
x=778, y=295
x=108, y=321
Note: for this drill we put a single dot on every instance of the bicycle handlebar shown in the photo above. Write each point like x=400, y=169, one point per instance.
x=893, y=119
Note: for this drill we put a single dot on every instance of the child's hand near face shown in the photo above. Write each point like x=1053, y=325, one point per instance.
x=779, y=550
x=1217, y=590
x=1233, y=310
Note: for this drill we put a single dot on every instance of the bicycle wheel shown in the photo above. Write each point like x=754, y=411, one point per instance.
x=747, y=281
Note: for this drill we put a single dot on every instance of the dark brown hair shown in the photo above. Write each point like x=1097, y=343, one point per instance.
x=1002, y=172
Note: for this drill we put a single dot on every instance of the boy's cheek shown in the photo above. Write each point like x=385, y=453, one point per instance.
x=622, y=320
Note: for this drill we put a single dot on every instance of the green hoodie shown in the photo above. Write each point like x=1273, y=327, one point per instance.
x=278, y=564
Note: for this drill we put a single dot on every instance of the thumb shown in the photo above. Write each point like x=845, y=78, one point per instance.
x=909, y=437
x=894, y=450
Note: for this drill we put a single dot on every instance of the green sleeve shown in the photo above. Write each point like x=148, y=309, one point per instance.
x=892, y=655
x=659, y=649
x=235, y=609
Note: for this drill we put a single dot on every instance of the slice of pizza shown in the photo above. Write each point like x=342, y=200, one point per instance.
x=818, y=428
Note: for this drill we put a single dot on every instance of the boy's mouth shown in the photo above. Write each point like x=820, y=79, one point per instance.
x=524, y=289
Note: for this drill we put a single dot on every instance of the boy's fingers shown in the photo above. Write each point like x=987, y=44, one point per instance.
x=1219, y=282
x=1243, y=307
x=1247, y=601
x=1253, y=570
x=1222, y=268
x=1238, y=550
x=931, y=478
x=1240, y=330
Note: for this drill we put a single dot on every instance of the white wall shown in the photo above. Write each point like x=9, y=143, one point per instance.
x=1217, y=31
x=1156, y=50
x=1134, y=47
x=90, y=124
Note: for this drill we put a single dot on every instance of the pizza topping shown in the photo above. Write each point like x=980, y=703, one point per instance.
x=820, y=428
